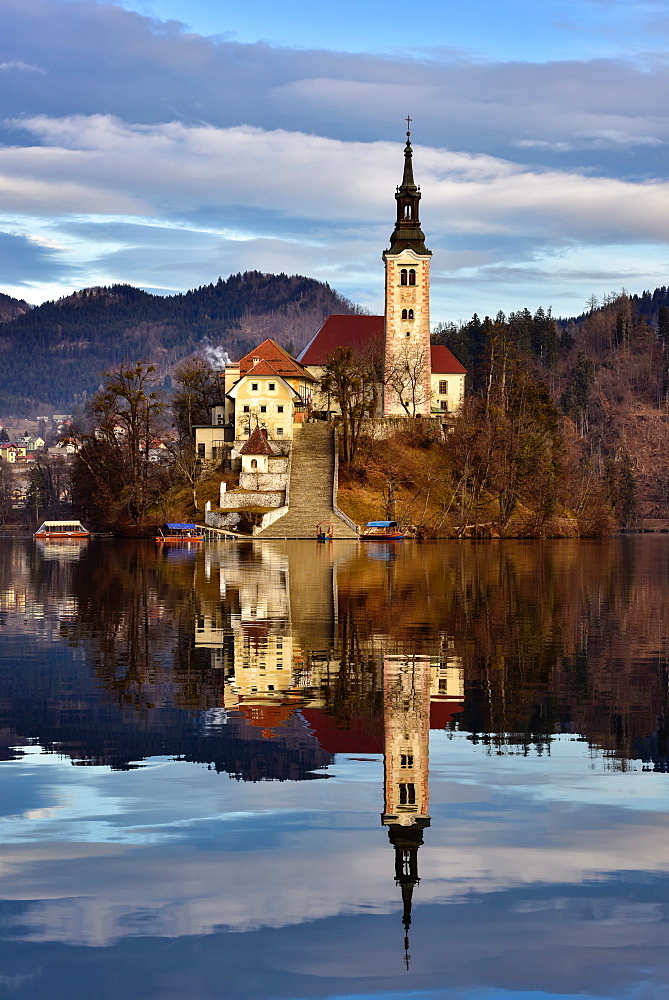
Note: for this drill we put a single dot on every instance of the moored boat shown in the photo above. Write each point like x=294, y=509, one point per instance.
x=62, y=529
x=381, y=531
x=180, y=532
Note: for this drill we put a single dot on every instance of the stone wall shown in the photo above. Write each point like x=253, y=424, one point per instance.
x=274, y=479
x=248, y=523
x=219, y=519
x=381, y=428
x=236, y=499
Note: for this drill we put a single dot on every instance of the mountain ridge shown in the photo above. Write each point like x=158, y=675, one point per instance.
x=53, y=355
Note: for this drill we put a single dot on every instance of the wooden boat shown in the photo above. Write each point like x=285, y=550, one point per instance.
x=62, y=529
x=381, y=531
x=181, y=532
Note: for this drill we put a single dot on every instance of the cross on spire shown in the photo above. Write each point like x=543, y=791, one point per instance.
x=408, y=120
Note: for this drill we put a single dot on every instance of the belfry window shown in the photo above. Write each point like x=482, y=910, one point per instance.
x=407, y=794
x=403, y=277
x=410, y=316
x=404, y=314
x=412, y=277
x=407, y=212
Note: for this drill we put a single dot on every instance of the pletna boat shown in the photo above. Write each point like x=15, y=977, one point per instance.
x=180, y=532
x=62, y=529
x=381, y=531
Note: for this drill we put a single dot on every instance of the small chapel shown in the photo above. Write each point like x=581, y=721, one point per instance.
x=271, y=390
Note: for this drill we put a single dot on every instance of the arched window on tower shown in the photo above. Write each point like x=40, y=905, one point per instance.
x=407, y=212
x=407, y=794
x=403, y=277
x=404, y=314
x=412, y=277
x=410, y=316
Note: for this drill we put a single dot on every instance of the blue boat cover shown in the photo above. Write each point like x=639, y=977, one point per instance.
x=381, y=524
x=179, y=527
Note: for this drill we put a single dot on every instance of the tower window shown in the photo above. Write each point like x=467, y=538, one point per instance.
x=407, y=794
x=410, y=316
x=408, y=334
x=407, y=211
x=404, y=277
x=254, y=463
x=406, y=760
x=443, y=388
x=404, y=314
x=412, y=277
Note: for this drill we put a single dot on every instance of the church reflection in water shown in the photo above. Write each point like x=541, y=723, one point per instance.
x=264, y=661
x=271, y=626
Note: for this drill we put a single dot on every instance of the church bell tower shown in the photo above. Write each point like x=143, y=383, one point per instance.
x=406, y=724
x=407, y=308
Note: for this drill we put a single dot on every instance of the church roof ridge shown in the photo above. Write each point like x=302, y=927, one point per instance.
x=257, y=444
x=269, y=350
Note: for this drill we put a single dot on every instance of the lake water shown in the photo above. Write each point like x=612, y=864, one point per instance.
x=292, y=770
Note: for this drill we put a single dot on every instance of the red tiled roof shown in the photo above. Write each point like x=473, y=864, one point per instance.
x=357, y=737
x=444, y=362
x=441, y=712
x=282, y=362
x=342, y=331
x=257, y=444
x=263, y=368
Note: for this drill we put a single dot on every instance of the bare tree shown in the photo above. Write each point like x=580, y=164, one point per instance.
x=353, y=381
x=407, y=378
x=114, y=472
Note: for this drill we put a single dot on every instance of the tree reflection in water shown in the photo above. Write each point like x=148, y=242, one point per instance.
x=544, y=637
x=270, y=662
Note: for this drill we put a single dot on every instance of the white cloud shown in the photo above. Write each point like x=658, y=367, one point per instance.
x=100, y=165
x=21, y=67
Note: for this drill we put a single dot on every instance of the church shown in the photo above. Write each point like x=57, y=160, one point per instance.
x=271, y=390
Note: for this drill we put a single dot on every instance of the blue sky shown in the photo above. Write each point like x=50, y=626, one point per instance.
x=164, y=144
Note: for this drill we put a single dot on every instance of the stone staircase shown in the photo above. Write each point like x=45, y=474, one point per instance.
x=311, y=480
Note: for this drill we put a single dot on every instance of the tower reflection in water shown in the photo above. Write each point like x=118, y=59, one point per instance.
x=290, y=658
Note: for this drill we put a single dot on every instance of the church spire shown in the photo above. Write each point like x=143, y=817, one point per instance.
x=406, y=841
x=407, y=179
x=407, y=233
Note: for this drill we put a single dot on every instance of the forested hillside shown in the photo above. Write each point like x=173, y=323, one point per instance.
x=11, y=308
x=54, y=354
x=607, y=372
